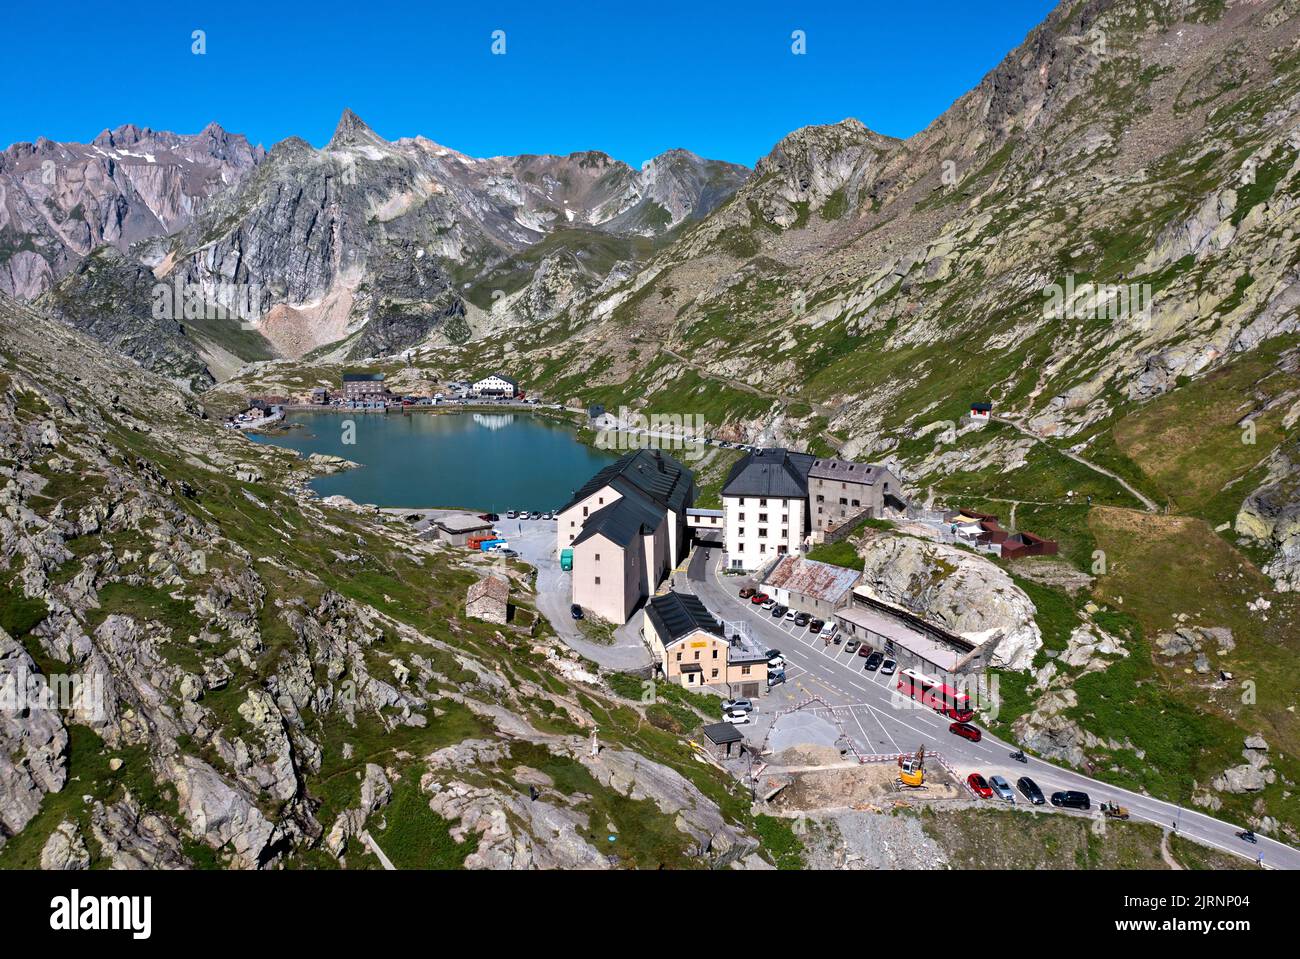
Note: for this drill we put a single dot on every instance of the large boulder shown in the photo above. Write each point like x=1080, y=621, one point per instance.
x=960, y=591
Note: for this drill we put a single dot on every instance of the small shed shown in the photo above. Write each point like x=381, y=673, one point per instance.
x=488, y=599
x=723, y=740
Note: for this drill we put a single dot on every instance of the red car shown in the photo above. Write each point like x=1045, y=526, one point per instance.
x=758, y=598
x=966, y=731
x=979, y=786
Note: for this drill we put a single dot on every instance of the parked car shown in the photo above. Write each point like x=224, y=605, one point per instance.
x=744, y=705
x=803, y=619
x=768, y=603
x=575, y=611
x=777, y=664
x=1029, y=789
x=966, y=731
x=546, y=516
x=979, y=786
x=775, y=679
x=865, y=651
x=508, y=553
x=510, y=514
x=737, y=717
x=1071, y=799
x=816, y=626
x=746, y=592
x=773, y=654
x=836, y=636
x=757, y=598
x=851, y=645
x=874, y=661
x=887, y=667
x=779, y=611
x=1003, y=790
x=790, y=614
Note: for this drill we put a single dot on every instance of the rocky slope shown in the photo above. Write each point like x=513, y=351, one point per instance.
x=219, y=670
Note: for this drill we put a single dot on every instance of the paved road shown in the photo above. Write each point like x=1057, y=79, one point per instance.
x=881, y=721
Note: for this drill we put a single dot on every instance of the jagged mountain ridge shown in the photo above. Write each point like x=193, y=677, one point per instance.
x=369, y=244
x=59, y=201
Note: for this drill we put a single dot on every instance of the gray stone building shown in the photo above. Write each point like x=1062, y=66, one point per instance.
x=840, y=491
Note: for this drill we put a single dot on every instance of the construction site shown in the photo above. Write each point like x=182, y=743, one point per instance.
x=807, y=763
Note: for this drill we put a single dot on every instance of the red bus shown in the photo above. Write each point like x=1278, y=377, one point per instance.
x=936, y=694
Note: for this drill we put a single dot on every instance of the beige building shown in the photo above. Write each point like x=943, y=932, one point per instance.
x=692, y=648
x=626, y=528
x=455, y=529
x=840, y=491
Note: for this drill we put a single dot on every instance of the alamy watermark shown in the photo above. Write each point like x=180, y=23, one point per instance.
x=683, y=433
x=23, y=691
x=219, y=301
x=1097, y=301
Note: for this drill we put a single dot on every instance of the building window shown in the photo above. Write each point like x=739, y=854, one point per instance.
x=715, y=654
x=762, y=502
x=744, y=670
x=597, y=580
x=762, y=533
x=762, y=547
x=679, y=657
x=843, y=501
x=598, y=557
x=584, y=511
x=762, y=517
x=715, y=674
x=740, y=517
x=697, y=655
x=857, y=503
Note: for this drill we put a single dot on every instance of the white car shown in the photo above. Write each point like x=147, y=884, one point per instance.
x=767, y=604
x=737, y=717
x=776, y=665
x=790, y=614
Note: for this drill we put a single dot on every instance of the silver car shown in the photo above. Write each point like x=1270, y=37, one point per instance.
x=1002, y=789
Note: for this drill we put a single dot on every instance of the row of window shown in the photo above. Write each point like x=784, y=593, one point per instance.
x=762, y=532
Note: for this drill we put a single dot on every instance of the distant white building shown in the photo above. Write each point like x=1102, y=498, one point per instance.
x=497, y=385
x=765, y=507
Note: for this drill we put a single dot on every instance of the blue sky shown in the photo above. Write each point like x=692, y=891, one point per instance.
x=717, y=78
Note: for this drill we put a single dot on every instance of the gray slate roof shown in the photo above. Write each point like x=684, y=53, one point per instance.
x=845, y=471
x=677, y=615
x=660, y=478
x=774, y=472
x=620, y=522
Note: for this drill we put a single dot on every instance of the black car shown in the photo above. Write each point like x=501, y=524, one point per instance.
x=779, y=611
x=874, y=661
x=816, y=626
x=803, y=619
x=1071, y=799
x=773, y=654
x=575, y=611
x=1029, y=789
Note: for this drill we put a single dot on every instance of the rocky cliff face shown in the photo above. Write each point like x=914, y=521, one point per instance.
x=210, y=686
x=59, y=201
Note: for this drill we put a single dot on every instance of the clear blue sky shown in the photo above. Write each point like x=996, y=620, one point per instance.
x=632, y=79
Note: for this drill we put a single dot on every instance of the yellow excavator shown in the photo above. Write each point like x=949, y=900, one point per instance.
x=911, y=769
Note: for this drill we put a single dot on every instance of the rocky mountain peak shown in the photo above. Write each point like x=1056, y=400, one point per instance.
x=351, y=131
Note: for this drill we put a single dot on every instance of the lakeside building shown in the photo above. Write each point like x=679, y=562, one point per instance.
x=841, y=492
x=497, y=384
x=624, y=530
x=361, y=387
x=456, y=529
x=692, y=649
x=765, y=507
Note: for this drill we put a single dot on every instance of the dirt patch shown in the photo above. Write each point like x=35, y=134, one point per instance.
x=865, y=786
